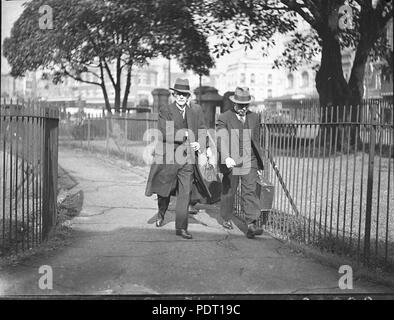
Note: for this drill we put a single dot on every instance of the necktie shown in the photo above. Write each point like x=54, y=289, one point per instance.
x=242, y=118
x=182, y=111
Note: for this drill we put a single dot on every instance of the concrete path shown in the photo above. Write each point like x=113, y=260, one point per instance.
x=116, y=249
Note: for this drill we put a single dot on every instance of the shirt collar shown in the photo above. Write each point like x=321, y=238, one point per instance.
x=182, y=109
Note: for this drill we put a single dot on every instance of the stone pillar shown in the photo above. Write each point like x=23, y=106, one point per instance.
x=160, y=98
x=210, y=99
x=227, y=103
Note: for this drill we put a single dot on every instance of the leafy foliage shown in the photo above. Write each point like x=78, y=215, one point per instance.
x=249, y=21
x=89, y=36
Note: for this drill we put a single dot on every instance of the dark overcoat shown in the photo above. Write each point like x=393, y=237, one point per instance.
x=226, y=146
x=163, y=176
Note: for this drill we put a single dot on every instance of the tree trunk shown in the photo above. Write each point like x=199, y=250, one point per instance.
x=332, y=88
x=104, y=89
x=330, y=82
x=117, y=86
x=106, y=99
x=127, y=89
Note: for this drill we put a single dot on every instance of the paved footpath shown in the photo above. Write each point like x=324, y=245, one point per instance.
x=116, y=249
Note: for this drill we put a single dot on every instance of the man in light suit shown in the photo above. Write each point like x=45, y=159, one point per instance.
x=241, y=157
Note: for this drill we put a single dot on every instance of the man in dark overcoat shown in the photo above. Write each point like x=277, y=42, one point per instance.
x=241, y=158
x=182, y=134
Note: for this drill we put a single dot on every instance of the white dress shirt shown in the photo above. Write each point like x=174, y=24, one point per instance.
x=241, y=118
x=182, y=110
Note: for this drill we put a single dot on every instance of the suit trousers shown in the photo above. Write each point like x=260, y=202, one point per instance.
x=183, y=191
x=249, y=199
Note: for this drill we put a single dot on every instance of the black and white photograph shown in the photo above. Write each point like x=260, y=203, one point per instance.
x=197, y=150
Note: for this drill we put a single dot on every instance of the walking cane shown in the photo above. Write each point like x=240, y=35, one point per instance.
x=282, y=183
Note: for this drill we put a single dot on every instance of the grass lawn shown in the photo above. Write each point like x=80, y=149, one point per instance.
x=331, y=197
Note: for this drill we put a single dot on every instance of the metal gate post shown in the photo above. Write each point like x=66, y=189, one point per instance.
x=371, y=161
x=46, y=216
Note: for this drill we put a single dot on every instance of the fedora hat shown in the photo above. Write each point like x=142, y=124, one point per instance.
x=241, y=96
x=181, y=85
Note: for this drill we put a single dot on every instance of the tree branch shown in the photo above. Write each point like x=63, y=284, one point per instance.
x=79, y=78
x=109, y=73
x=93, y=73
x=296, y=7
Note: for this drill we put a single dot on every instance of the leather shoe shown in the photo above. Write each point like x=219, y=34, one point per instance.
x=228, y=225
x=192, y=209
x=159, y=220
x=253, y=231
x=183, y=233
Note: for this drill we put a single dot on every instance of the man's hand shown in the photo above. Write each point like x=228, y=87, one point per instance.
x=209, y=152
x=230, y=162
x=195, y=146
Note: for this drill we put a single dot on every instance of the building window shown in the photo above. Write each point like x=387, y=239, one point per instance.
x=269, y=80
x=242, y=78
x=154, y=78
x=290, y=81
x=252, y=78
x=269, y=93
x=305, y=79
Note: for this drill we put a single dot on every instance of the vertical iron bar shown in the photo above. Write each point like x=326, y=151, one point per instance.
x=287, y=159
x=371, y=163
x=364, y=121
x=340, y=169
x=281, y=166
x=288, y=213
x=16, y=180
x=347, y=175
x=357, y=138
x=380, y=133
x=390, y=140
x=89, y=131
x=107, y=134
x=11, y=182
x=125, y=136
x=317, y=177
x=328, y=170
x=336, y=126
x=307, y=176
x=304, y=129
x=4, y=137
x=23, y=155
x=277, y=193
x=34, y=176
x=325, y=115
x=27, y=176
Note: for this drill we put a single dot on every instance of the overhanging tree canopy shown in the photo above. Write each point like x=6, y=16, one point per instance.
x=330, y=31
x=88, y=37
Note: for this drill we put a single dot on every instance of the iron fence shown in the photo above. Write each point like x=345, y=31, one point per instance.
x=120, y=135
x=332, y=170
x=28, y=183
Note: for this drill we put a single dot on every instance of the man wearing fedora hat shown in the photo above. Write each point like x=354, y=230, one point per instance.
x=241, y=158
x=164, y=178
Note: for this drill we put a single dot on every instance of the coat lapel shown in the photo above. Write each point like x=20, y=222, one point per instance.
x=190, y=120
x=235, y=123
x=176, y=115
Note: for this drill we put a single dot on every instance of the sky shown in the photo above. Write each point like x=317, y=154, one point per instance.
x=10, y=11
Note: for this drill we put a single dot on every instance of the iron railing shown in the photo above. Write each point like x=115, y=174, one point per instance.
x=333, y=175
x=117, y=134
x=28, y=171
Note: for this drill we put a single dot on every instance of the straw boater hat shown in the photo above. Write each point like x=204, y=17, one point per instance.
x=181, y=85
x=241, y=96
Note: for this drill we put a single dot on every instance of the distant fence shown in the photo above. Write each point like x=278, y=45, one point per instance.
x=333, y=178
x=116, y=134
x=28, y=166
